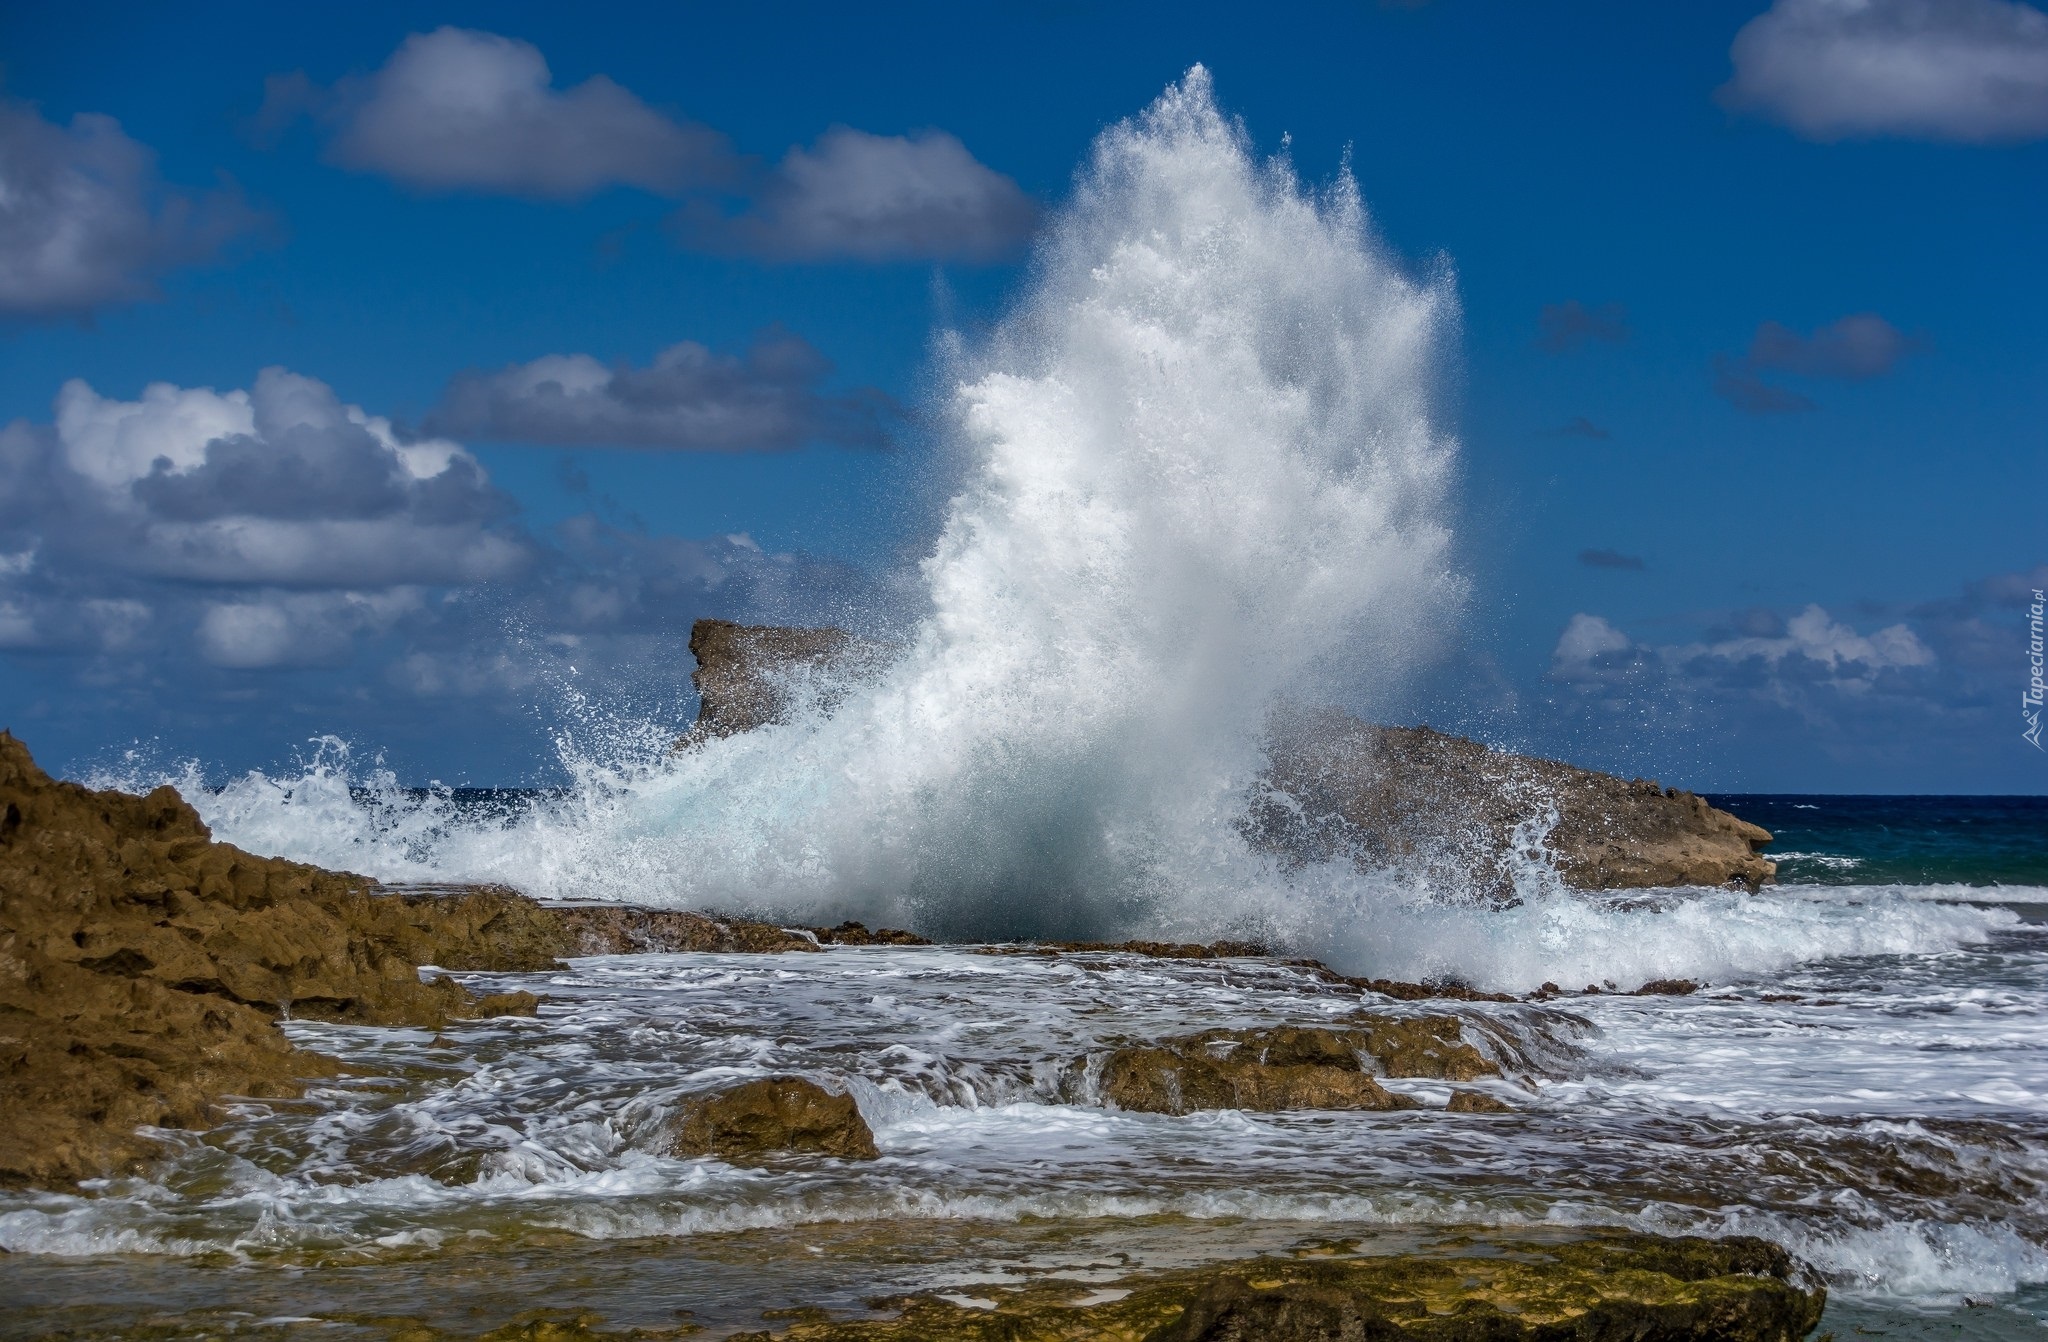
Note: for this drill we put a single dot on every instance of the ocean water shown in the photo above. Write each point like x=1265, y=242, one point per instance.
x=1902, y=840
x=1203, y=474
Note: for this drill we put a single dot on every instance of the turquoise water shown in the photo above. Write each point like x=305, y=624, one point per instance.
x=1858, y=840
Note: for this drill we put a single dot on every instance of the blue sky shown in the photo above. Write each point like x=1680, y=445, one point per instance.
x=1752, y=388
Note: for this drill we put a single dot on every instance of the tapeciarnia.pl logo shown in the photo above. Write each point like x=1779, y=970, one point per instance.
x=2030, y=702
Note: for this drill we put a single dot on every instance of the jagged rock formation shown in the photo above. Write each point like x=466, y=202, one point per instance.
x=748, y=676
x=1340, y=787
x=773, y=1115
x=1484, y=1287
x=1291, y=1067
x=142, y=966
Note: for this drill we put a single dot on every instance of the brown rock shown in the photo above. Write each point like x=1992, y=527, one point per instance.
x=748, y=676
x=142, y=966
x=1477, y=1102
x=859, y=934
x=1415, y=796
x=1668, y=988
x=783, y=1113
x=1291, y=1067
x=627, y=929
x=1483, y=1287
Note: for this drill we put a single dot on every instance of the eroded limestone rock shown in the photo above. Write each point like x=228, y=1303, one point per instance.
x=1291, y=1067
x=774, y=1115
x=142, y=966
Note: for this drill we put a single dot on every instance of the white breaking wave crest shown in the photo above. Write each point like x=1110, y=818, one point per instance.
x=1202, y=478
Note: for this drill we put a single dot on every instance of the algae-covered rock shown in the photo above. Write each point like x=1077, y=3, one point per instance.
x=1290, y=1067
x=1609, y=1287
x=776, y=1114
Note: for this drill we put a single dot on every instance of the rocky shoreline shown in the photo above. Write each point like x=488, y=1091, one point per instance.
x=144, y=968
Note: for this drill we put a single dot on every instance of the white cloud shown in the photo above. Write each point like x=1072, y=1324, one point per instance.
x=1586, y=637
x=281, y=483
x=882, y=198
x=1971, y=70
x=85, y=221
x=296, y=629
x=457, y=109
x=114, y=443
x=1816, y=636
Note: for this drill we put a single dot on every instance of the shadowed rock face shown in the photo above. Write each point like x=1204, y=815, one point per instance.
x=1337, y=786
x=773, y=1115
x=1489, y=1288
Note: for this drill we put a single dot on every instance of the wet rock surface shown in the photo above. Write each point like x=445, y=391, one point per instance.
x=142, y=966
x=748, y=676
x=772, y=1116
x=1291, y=1067
x=1641, y=1288
x=626, y=929
x=1447, y=806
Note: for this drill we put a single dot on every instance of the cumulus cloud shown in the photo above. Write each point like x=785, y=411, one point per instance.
x=876, y=198
x=1564, y=327
x=462, y=110
x=1854, y=348
x=690, y=398
x=85, y=220
x=208, y=539
x=281, y=483
x=1970, y=70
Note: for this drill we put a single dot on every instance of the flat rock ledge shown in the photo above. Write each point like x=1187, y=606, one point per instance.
x=1485, y=1288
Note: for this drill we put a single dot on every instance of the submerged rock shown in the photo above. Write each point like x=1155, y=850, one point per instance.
x=1641, y=1288
x=1291, y=1067
x=776, y=1114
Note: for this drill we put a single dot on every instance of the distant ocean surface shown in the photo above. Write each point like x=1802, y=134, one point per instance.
x=1871, y=840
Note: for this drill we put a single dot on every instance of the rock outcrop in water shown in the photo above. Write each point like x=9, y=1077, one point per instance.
x=1290, y=1067
x=1337, y=786
x=1415, y=796
x=748, y=675
x=1488, y=1288
x=774, y=1115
